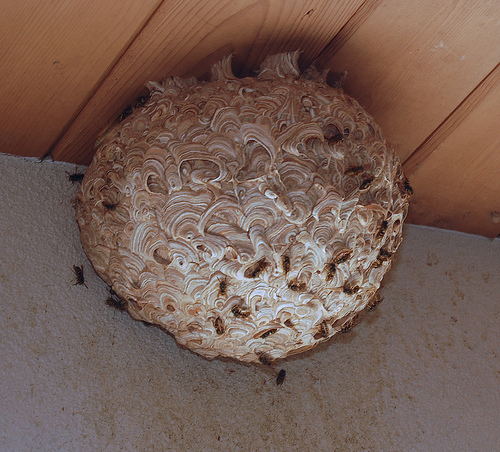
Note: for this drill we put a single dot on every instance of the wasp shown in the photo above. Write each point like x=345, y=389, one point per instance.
x=350, y=289
x=79, y=278
x=257, y=269
x=219, y=326
x=125, y=113
x=75, y=177
x=285, y=262
x=141, y=101
x=268, y=333
x=353, y=170
x=333, y=134
x=223, y=287
x=342, y=257
x=407, y=187
x=296, y=286
x=115, y=301
x=346, y=327
x=366, y=183
x=372, y=304
x=323, y=328
x=382, y=229
x=383, y=256
x=281, y=377
x=265, y=358
x=239, y=311
x=330, y=270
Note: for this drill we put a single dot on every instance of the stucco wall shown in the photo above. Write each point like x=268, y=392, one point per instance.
x=421, y=372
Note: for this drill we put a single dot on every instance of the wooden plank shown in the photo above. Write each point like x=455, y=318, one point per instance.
x=433, y=141
x=186, y=37
x=456, y=173
x=53, y=53
x=352, y=25
x=410, y=64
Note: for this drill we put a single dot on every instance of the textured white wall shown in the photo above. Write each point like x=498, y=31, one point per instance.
x=419, y=373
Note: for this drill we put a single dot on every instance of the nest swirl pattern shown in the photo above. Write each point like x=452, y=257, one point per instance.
x=251, y=218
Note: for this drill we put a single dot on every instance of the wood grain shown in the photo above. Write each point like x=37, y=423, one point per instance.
x=453, y=121
x=53, y=53
x=186, y=37
x=456, y=174
x=411, y=64
x=343, y=36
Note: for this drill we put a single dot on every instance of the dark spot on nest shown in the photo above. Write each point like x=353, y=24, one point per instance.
x=353, y=170
x=109, y=205
x=365, y=185
x=159, y=258
x=385, y=254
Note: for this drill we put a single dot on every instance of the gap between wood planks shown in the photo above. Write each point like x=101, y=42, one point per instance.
x=452, y=121
x=105, y=74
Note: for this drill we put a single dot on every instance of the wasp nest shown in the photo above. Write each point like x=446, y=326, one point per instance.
x=251, y=218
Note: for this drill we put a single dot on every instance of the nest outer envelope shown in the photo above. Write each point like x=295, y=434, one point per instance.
x=251, y=218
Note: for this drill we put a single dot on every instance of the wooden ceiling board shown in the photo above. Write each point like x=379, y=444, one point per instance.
x=186, y=37
x=53, y=54
x=411, y=63
x=457, y=185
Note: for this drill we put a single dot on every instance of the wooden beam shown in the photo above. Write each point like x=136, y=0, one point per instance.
x=453, y=121
x=186, y=37
x=53, y=54
x=455, y=174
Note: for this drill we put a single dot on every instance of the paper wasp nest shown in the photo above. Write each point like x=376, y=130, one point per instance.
x=251, y=218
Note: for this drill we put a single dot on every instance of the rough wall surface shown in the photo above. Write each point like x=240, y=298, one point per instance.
x=420, y=372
